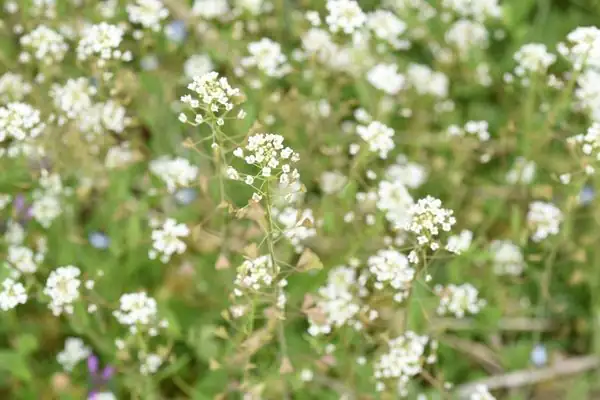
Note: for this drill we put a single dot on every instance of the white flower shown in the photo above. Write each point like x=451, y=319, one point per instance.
x=137, y=310
x=74, y=97
x=477, y=9
x=62, y=287
x=267, y=56
x=210, y=9
x=404, y=360
x=23, y=259
x=378, y=136
x=214, y=94
x=522, y=172
x=426, y=81
x=13, y=293
x=166, y=240
x=458, y=300
x=174, y=172
x=466, y=35
x=544, y=220
x=459, y=243
x=344, y=15
x=44, y=44
x=198, y=65
x=533, y=58
x=150, y=364
x=74, y=352
x=589, y=141
x=20, y=121
x=102, y=40
x=294, y=228
x=105, y=396
x=411, y=174
x=428, y=218
x=388, y=27
x=395, y=201
x=478, y=129
x=13, y=87
x=583, y=47
x=267, y=152
x=148, y=13
x=332, y=182
x=392, y=267
x=588, y=93
x=481, y=393
x=385, y=77
x=45, y=209
x=255, y=273
x=306, y=375
x=254, y=7
x=507, y=258
x=337, y=304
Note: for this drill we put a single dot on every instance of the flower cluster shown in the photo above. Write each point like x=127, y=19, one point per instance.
x=390, y=267
x=338, y=304
x=102, y=41
x=459, y=243
x=23, y=260
x=543, y=219
x=589, y=141
x=74, y=352
x=394, y=200
x=166, y=239
x=266, y=55
x=212, y=95
x=411, y=174
x=267, y=152
x=507, y=258
x=198, y=65
x=150, y=363
x=427, y=218
x=13, y=87
x=533, y=58
x=345, y=16
x=481, y=392
x=466, y=35
x=478, y=129
x=74, y=97
x=404, y=360
x=254, y=274
x=425, y=81
x=297, y=226
x=522, y=172
x=139, y=312
x=13, y=293
x=174, y=172
x=44, y=44
x=386, y=78
x=378, y=136
x=20, y=121
x=582, y=47
x=479, y=10
x=211, y=9
x=458, y=300
x=147, y=13
x=62, y=287
x=387, y=27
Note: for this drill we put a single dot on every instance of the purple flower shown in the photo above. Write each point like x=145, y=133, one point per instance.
x=99, y=379
x=22, y=210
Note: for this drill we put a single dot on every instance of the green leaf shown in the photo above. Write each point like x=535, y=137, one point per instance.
x=15, y=365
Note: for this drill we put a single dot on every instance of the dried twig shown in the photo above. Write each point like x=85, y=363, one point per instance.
x=513, y=324
x=477, y=351
x=529, y=377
